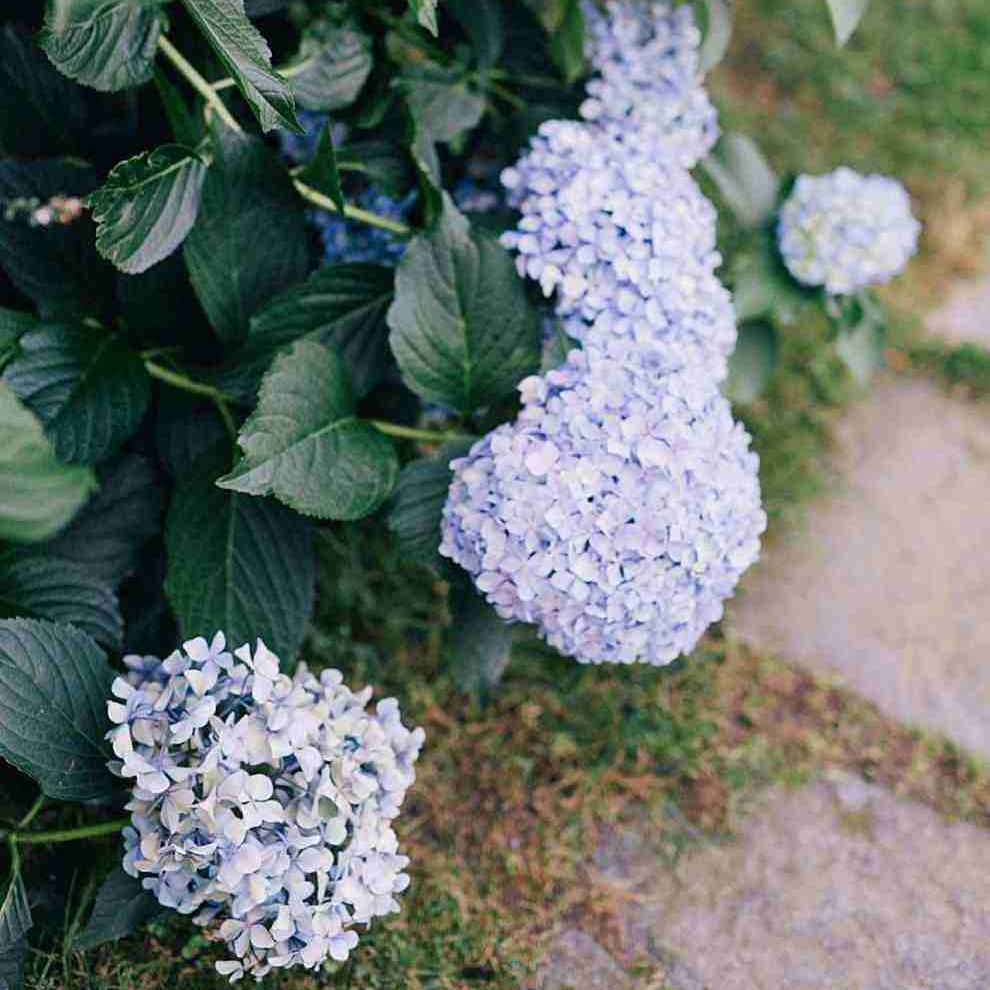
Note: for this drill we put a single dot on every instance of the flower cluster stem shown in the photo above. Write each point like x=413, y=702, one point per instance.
x=197, y=82
x=412, y=433
x=317, y=198
x=67, y=834
x=178, y=380
x=209, y=93
x=223, y=401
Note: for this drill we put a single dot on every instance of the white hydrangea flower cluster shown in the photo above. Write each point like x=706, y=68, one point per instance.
x=846, y=231
x=617, y=513
x=262, y=804
x=628, y=244
x=648, y=88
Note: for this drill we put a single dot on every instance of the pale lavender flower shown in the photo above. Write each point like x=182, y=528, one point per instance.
x=263, y=803
x=616, y=514
x=846, y=231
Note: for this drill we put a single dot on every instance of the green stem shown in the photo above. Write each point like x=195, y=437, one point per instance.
x=412, y=433
x=353, y=212
x=67, y=834
x=32, y=812
x=178, y=380
x=197, y=82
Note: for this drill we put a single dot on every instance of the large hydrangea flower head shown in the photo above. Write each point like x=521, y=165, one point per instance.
x=617, y=513
x=648, y=89
x=846, y=231
x=262, y=804
x=627, y=242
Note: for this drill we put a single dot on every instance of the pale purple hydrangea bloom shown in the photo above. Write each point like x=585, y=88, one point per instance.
x=626, y=242
x=262, y=803
x=647, y=90
x=846, y=231
x=617, y=513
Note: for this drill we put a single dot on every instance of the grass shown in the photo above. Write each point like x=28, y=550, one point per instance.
x=512, y=797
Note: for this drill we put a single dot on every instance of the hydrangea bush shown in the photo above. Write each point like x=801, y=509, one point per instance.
x=267, y=267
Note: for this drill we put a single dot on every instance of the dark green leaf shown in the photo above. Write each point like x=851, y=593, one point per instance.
x=159, y=306
x=321, y=171
x=185, y=428
x=478, y=644
x=718, y=34
x=250, y=239
x=483, y=23
x=443, y=104
x=426, y=14
x=752, y=362
x=246, y=56
x=762, y=286
x=54, y=685
x=87, y=388
x=418, y=505
x=106, y=44
x=342, y=306
x=12, y=325
x=305, y=444
x=122, y=907
x=746, y=181
x=260, y=8
x=567, y=43
x=861, y=349
x=333, y=65
x=40, y=109
x=463, y=331
x=36, y=585
x=56, y=265
x=147, y=206
x=107, y=536
x=244, y=565
x=15, y=923
x=846, y=15
x=550, y=13
x=39, y=495
x=384, y=164
x=186, y=128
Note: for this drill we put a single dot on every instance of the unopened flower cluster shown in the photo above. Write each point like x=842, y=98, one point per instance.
x=616, y=513
x=262, y=804
x=61, y=210
x=846, y=231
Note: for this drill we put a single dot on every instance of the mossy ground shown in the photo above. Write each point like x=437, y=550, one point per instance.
x=512, y=796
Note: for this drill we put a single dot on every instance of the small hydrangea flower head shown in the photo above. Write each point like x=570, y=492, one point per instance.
x=616, y=513
x=627, y=243
x=648, y=90
x=846, y=231
x=262, y=804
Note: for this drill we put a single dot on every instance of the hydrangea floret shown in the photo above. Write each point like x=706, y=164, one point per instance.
x=845, y=231
x=617, y=513
x=262, y=803
x=647, y=89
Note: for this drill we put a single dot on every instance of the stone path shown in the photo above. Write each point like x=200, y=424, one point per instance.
x=836, y=886
x=886, y=583
x=965, y=316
